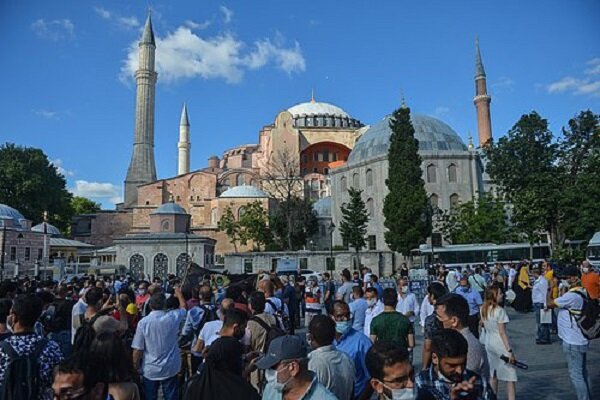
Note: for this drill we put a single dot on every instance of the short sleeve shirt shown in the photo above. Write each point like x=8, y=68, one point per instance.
x=432, y=325
x=568, y=330
x=392, y=326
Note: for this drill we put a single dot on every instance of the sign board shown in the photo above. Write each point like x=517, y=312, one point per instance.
x=286, y=264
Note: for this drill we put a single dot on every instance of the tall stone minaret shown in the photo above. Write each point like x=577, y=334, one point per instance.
x=142, y=168
x=184, y=145
x=482, y=100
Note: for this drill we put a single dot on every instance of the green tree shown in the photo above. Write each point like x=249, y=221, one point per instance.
x=482, y=220
x=523, y=164
x=406, y=208
x=355, y=218
x=230, y=226
x=254, y=225
x=293, y=221
x=82, y=205
x=32, y=185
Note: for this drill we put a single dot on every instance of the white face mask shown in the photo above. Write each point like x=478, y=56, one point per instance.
x=404, y=289
x=401, y=394
x=585, y=270
x=271, y=377
x=371, y=302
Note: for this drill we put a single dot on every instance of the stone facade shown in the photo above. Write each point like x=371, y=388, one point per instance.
x=102, y=228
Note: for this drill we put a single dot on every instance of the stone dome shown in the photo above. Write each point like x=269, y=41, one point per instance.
x=320, y=114
x=323, y=207
x=434, y=136
x=7, y=212
x=50, y=229
x=170, y=208
x=244, y=191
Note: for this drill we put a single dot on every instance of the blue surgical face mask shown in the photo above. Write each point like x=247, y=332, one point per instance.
x=342, y=326
x=402, y=394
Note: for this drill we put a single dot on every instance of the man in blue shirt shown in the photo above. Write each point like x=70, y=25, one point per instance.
x=376, y=285
x=474, y=300
x=358, y=308
x=155, y=347
x=352, y=342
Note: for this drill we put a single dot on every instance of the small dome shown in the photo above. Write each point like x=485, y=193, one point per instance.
x=434, y=136
x=170, y=208
x=243, y=191
x=50, y=229
x=323, y=207
x=316, y=108
x=7, y=212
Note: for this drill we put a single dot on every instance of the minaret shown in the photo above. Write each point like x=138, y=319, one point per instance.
x=142, y=168
x=184, y=145
x=482, y=100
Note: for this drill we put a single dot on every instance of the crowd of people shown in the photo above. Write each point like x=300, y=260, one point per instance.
x=126, y=339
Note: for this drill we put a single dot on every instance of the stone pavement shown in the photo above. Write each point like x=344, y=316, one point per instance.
x=547, y=377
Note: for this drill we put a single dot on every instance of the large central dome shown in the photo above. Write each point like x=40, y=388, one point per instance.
x=321, y=115
x=434, y=136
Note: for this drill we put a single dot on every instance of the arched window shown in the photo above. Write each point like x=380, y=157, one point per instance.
x=369, y=178
x=452, y=173
x=164, y=225
x=434, y=200
x=355, y=180
x=370, y=207
x=343, y=184
x=136, y=265
x=252, y=182
x=431, y=173
x=214, y=216
x=161, y=266
x=241, y=212
x=182, y=264
x=239, y=180
x=454, y=201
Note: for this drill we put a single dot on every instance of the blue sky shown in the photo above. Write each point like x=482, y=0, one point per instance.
x=66, y=85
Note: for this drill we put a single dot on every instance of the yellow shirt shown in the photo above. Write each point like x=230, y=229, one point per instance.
x=131, y=309
x=549, y=275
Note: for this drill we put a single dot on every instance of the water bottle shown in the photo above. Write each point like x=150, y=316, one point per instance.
x=518, y=364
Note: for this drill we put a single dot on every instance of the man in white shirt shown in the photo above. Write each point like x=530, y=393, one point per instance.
x=575, y=345
x=374, y=308
x=407, y=302
x=539, y=297
x=512, y=273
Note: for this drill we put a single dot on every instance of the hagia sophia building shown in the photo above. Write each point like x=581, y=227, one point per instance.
x=331, y=150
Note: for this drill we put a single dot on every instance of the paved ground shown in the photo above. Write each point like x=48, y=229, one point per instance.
x=547, y=376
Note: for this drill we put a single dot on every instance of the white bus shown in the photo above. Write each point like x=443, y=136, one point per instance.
x=593, y=250
x=461, y=255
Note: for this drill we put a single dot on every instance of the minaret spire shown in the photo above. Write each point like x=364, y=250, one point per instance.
x=482, y=100
x=142, y=168
x=184, y=145
x=312, y=95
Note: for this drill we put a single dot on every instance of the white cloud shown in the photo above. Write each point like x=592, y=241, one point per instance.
x=440, y=111
x=197, y=25
x=97, y=191
x=183, y=54
x=55, y=30
x=58, y=163
x=588, y=85
x=503, y=82
x=118, y=20
x=48, y=114
x=227, y=14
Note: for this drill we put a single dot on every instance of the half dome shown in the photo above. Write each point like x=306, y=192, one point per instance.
x=170, y=208
x=244, y=191
x=7, y=212
x=50, y=229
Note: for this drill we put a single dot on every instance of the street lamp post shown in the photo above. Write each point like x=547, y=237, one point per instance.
x=331, y=263
x=2, y=253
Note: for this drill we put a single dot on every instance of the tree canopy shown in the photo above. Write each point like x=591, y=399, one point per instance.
x=355, y=218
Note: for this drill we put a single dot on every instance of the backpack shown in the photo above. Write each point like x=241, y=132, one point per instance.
x=282, y=319
x=210, y=314
x=273, y=332
x=85, y=333
x=57, y=317
x=588, y=318
x=22, y=379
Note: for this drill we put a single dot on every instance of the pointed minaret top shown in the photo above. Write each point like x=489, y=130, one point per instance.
x=479, y=71
x=184, y=117
x=148, y=35
x=470, y=145
x=312, y=95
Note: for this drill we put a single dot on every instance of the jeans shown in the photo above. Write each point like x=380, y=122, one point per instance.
x=170, y=388
x=543, y=330
x=576, y=360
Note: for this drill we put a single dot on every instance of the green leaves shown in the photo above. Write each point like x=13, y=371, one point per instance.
x=406, y=208
x=353, y=226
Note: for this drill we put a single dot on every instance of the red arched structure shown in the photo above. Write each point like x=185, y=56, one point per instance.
x=321, y=157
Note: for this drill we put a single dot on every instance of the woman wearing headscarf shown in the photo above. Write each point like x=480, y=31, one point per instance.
x=221, y=377
x=522, y=289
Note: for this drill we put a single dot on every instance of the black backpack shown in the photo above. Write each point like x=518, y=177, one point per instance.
x=273, y=332
x=22, y=379
x=57, y=317
x=588, y=318
x=86, y=334
x=210, y=314
x=282, y=319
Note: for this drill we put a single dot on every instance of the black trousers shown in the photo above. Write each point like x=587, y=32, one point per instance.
x=474, y=324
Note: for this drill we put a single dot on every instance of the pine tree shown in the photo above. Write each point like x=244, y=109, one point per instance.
x=406, y=208
x=355, y=217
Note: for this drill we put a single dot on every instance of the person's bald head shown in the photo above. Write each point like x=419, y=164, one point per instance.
x=227, y=304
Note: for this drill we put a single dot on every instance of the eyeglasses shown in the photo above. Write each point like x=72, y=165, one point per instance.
x=401, y=381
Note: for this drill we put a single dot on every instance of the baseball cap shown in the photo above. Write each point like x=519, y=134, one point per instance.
x=288, y=347
x=571, y=270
